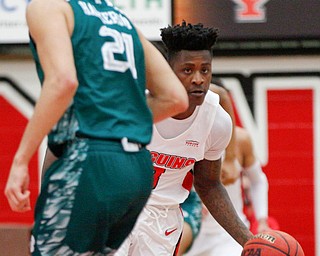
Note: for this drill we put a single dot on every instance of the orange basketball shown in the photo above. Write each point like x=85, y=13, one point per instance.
x=275, y=243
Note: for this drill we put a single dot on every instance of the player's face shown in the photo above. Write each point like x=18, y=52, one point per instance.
x=193, y=68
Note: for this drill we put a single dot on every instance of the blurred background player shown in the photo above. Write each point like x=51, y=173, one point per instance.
x=192, y=213
x=212, y=239
x=194, y=139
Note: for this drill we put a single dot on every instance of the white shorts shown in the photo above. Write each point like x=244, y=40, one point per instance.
x=157, y=233
x=221, y=244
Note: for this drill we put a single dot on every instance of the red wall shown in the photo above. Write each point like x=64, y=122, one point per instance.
x=12, y=124
x=290, y=169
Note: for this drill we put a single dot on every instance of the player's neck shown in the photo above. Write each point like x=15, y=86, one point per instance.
x=185, y=114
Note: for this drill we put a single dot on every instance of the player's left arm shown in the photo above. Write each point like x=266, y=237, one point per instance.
x=258, y=182
x=215, y=197
x=208, y=184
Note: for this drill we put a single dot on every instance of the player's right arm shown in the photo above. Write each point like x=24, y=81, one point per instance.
x=258, y=180
x=167, y=96
x=50, y=24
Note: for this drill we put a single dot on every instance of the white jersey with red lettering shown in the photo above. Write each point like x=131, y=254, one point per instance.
x=175, y=151
x=175, y=147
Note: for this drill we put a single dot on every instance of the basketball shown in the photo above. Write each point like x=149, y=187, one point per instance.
x=275, y=243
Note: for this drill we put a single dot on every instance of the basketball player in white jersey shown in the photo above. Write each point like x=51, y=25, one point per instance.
x=192, y=206
x=194, y=140
x=212, y=239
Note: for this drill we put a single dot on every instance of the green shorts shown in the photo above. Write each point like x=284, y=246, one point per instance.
x=90, y=198
x=192, y=212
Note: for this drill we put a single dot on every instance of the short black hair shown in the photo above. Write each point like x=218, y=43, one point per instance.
x=188, y=37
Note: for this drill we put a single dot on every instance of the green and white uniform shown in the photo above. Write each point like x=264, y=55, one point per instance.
x=92, y=195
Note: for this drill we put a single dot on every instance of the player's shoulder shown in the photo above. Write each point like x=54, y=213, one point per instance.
x=243, y=136
x=242, y=133
x=42, y=3
x=218, y=89
x=212, y=98
x=46, y=7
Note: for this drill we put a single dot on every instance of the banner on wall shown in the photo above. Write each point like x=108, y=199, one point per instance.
x=256, y=24
x=148, y=15
x=254, y=19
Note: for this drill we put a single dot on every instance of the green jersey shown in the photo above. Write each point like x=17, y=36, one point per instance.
x=65, y=129
x=110, y=102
